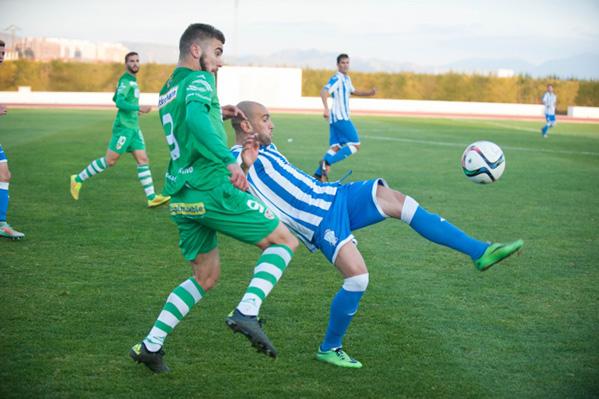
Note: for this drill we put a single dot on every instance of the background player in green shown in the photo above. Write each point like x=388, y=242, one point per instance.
x=208, y=196
x=126, y=136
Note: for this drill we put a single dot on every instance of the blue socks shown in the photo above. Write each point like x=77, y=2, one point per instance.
x=343, y=308
x=340, y=155
x=3, y=201
x=331, y=158
x=438, y=230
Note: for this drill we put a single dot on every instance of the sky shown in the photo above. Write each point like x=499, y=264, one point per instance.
x=426, y=32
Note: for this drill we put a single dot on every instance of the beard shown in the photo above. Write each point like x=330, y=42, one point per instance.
x=203, y=63
x=133, y=71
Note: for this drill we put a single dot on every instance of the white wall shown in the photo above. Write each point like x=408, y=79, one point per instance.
x=281, y=89
x=583, y=112
x=273, y=87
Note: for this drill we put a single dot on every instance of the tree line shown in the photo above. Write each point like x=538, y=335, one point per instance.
x=77, y=76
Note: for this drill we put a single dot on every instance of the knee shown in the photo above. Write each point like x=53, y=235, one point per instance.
x=356, y=148
x=4, y=175
x=111, y=161
x=291, y=241
x=357, y=283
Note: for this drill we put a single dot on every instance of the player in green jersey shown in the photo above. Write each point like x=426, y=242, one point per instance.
x=126, y=136
x=207, y=187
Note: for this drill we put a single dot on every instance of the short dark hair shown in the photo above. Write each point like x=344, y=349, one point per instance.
x=2, y=43
x=198, y=32
x=341, y=57
x=130, y=54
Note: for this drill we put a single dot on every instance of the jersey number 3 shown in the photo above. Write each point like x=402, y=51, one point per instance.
x=169, y=127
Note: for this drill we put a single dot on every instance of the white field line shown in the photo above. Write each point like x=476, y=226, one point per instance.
x=447, y=144
x=507, y=126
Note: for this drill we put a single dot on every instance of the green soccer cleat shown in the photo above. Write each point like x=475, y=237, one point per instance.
x=158, y=200
x=8, y=232
x=338, y=357
x=75, y=187
x=251, y=327
x=152, y=360
x=496, y=253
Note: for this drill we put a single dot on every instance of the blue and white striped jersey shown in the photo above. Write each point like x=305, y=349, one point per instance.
x=299, y=200
x=549, y=100
x=340, y=88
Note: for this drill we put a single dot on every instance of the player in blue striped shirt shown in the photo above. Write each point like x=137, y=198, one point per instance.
x=343, y=136
x=549, y=101
x=5, y=229
x=323, y=216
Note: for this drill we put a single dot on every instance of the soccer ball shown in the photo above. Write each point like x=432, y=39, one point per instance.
x=483, y=162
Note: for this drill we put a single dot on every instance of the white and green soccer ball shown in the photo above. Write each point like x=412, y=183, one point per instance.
x=483, y=162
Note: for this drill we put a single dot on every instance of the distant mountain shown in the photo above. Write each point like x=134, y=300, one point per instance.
x=584, y=66
x=486, y=65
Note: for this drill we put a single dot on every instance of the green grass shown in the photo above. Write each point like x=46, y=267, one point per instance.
x=91, y=276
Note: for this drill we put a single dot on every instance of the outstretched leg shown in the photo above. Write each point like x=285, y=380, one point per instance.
x=440, y=231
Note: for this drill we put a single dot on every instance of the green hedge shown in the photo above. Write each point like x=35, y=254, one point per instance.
x=74, y=76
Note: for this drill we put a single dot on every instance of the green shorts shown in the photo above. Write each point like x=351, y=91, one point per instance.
x=224, y=209
x=126, y=140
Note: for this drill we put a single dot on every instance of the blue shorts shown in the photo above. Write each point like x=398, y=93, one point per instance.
x=343, y=132
x=550, y=119
x=2, y=155
x=354, y=207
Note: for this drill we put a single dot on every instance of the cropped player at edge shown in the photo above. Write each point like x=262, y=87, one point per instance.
x=208, y=196
x=323, y=216
x=6, y=230
x=126, y=136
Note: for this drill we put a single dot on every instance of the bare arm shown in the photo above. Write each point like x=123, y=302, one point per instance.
x=324, y=95
x=364, y=93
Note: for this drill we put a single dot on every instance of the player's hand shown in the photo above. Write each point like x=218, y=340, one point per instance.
x=144, y=109
x=249, y=154
x=372, y=91
x=238, y=177
x=231, y=111
x=325, y=114
x=3, y=110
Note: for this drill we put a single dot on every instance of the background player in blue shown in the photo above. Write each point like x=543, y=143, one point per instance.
x=323, y=216
x=343, y=136
x=5, y=229
x=549, y=101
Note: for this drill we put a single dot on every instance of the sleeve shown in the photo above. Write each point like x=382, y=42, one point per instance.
x=544, y=99
x=121, y=98
x=198, y=122
x=333, y=84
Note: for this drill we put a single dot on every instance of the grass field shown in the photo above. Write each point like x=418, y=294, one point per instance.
x=91, y=276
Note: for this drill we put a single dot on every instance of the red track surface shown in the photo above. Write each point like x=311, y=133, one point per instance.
x=560, y=118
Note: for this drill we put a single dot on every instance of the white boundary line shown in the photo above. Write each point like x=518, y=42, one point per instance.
x=447, y=144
